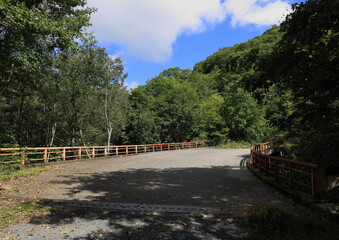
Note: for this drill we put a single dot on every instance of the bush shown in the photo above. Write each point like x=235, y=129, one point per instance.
x=277, y=223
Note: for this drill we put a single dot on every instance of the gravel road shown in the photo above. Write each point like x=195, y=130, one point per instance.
x=98, y=224
x=214, y=180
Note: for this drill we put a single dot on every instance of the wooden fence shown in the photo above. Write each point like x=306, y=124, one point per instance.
x=25, y=156
x=306, y=177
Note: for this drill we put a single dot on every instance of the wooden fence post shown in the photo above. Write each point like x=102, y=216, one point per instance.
x=45, y=155
x=23, y=156
x=93, y=152
x=126, y=150
x=64, y=154
x=79, y=153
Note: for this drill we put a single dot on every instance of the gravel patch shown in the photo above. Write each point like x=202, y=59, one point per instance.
x=65, y=223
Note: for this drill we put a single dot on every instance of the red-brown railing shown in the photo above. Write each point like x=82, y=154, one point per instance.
x=49, y=154
x=296, y=174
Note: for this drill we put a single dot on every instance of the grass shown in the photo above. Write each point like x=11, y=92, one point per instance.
x=277, y=223
x=12, y=171
x=243, y=145
x=13, y=212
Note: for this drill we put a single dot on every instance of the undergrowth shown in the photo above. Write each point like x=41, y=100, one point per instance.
x=277, y=223
x=243, y=145
x=12, y=213
x=10, y=171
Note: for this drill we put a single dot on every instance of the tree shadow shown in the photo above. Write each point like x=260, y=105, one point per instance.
x=224, y=187
x=145, y=225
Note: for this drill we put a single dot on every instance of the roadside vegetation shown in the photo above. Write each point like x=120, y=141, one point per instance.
x=287, y=223
x=12, y=212
x=13, y=171
x=239, y=145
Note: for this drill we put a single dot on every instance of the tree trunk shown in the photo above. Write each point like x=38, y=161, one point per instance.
x=52, y=137
x=109, y=132
x=83, y=143
x=108, y=122
x=53, y=134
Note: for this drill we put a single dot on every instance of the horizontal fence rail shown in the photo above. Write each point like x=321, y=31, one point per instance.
x=302, y=176
x=26, y=156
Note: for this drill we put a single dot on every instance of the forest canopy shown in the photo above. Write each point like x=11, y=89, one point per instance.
x=59, y=88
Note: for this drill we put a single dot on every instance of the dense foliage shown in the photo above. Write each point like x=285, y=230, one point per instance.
x=58, y=91
x=217, y=101
x=306, y=62
x=55, y=90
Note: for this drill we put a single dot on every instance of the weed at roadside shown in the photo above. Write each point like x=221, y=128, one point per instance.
x=10, y=171
x=277, y=223
x=11, y=213
x=242, y=145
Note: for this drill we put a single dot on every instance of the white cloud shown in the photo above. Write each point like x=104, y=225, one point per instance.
x=259, y=12
x=131, y=85
x=148, y=28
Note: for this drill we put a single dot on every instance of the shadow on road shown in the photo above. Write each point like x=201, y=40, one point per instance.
x=227, y=187
x=211, y=187
x=136, y=225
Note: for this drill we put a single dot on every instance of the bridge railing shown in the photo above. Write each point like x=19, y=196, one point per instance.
x=306, y=177
x=25, y=156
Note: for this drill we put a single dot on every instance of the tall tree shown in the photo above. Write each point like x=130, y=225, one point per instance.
x=244, y=117
x=30, y=33
x=93, y=98
x=306, y=62
x=166, y=109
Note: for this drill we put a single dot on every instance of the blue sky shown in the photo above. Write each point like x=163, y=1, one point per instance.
x=153, y=35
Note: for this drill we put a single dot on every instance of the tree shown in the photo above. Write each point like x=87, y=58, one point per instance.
x=143, y=123
x=306, y=62
x=31, y=32
x=166, y=109
x=244, y=117
x=180, y=112
x=215, y=125
x=93, y=100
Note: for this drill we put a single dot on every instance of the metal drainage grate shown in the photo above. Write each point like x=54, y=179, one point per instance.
x=141, y=207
